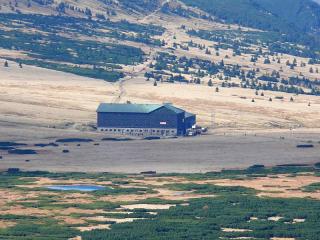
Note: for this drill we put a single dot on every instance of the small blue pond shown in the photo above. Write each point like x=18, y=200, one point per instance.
x=82, y=188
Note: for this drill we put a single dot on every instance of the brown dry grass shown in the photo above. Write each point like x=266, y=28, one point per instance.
x=70, y=220
x=162, y=193
x=232, y=107
x=8, y=196
x=281, y=186
x=24, y=211
x=6, y=224
x=69, y=211
x=285, y=186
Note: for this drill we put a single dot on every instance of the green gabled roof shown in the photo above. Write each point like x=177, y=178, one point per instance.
x=128, y=108
x=173, y=108
x=135, y=108
x=187, y=114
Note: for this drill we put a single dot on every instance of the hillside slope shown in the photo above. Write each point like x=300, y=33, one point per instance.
x=282, y=16
x=161, y=51
x=81, y=8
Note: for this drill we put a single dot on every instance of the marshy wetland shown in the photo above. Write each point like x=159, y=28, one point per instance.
x=257, y=203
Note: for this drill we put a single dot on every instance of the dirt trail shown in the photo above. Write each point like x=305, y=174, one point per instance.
x=139, y=70
x=146, y=18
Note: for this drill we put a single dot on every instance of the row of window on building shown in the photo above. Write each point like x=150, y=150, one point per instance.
x=155, y=131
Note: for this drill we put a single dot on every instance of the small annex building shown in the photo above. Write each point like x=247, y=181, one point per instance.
x=144, y=119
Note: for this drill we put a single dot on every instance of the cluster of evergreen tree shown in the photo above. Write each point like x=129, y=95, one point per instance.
x=274, y=16
x=253, y=79
x=242, y=42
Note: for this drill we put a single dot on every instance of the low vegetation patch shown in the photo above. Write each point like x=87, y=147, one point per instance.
x=173, y=206
x=73, y=140
x=22, y=151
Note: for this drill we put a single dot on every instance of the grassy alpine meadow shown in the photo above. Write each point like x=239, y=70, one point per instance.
x=256, y=203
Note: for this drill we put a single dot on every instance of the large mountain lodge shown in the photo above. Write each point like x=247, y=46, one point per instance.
x=144, y=119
